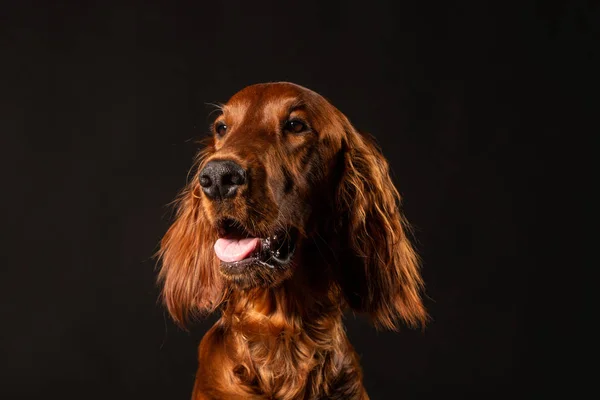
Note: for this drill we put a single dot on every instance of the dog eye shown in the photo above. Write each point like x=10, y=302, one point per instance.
x=294, y=126
x=220, y=128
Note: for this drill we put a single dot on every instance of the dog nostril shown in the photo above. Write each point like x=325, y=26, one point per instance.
x=205, y=181
x=233, y=179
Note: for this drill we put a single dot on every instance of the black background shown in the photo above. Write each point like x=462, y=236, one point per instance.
x=102, y=106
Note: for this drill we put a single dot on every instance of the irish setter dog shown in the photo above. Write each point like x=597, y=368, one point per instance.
x=290, y=218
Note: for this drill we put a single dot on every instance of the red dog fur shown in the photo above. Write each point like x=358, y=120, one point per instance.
x=291, y=175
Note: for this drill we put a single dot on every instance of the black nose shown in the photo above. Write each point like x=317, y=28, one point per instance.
x=221, y=178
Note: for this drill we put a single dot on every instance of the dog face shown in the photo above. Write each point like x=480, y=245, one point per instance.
x=262, y=177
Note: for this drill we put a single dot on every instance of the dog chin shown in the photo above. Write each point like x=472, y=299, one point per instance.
x=253, y=273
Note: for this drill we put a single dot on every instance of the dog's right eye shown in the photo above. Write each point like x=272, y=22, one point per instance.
x=220, y=128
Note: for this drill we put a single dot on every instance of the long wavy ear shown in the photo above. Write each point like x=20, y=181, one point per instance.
x=191, y=281
x=381, y=276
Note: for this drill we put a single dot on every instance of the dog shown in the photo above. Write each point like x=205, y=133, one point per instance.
x=291, y=217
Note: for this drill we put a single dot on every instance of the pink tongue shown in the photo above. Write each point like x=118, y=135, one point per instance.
x=230, y=250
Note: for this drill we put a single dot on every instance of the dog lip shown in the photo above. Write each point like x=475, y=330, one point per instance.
x=238, y=267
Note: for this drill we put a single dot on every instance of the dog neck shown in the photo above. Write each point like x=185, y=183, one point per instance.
x=284, y=339
x=285, y=309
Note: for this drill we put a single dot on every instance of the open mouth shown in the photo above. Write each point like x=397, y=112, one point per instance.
x=238, y=249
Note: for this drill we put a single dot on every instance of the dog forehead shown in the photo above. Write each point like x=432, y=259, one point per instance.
x=264, y=102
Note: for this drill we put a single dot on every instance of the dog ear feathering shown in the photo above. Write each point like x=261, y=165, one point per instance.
x=192, y=284
x=381, y=277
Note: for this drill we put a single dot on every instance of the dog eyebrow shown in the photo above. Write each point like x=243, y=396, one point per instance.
x=295, y=105
x=287, y=105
